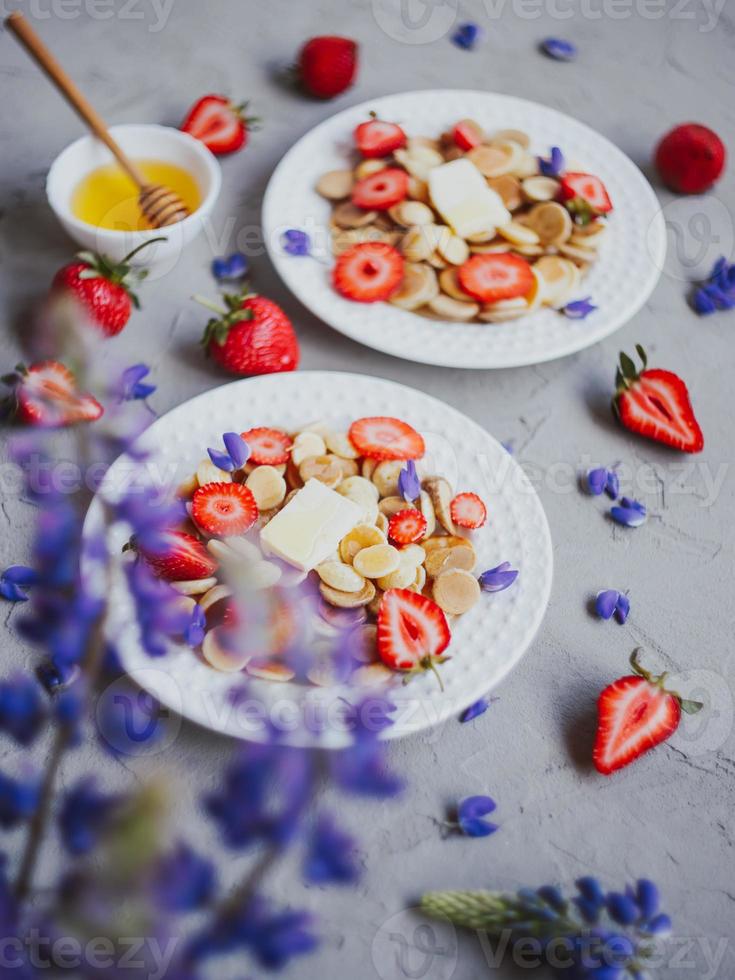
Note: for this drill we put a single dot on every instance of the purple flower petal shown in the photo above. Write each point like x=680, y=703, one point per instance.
x=499, y=578
x=633, y=504
x=597, y=481
x=409, y=485
x=553, y=165
x=20, y=575
x=474, y=710
x=470, y=813
x=660, y=925
x=194, y=633
x=237, y=448
x=627, y=516
x=233, y=267
x=295, y=242
x=222, y=460
x=466, y=36
x=703, y=303
x=579, y=309
x=612, y=485
x=606, y=602
x=559, y=49
x=622, y=608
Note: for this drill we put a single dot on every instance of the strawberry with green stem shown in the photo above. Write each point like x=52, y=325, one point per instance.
x=655, y=404
x=635, y=714
x=250, y=335
x=103, y=287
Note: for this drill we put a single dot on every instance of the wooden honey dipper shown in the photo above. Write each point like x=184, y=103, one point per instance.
x=159, y=205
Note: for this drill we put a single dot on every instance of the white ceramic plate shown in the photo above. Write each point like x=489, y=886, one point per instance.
x=631, y=257
x=486, y=642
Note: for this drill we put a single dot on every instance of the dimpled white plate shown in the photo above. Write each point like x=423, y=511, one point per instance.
x=486, y=642
x=630, y=262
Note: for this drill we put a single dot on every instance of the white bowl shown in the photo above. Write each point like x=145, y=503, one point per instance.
x=150, y=142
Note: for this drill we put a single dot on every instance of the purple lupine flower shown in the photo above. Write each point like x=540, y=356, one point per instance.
x=498, y=578
x=330, y=856
x=409, y=485
x=470, y=814
x=361, y=768
x=85, y=815
x=263, y=795
x=231, y=267
x=629, y=514
x=596, y=481
x=606, y=602
x=159, y=612
x=466, y=36
x=295, y=242
x=474, y=710
x=553, y=165
x=579, y=309
x=151, y=514
x=69, y=708
x=15, y=580
x=183, y=880
x=559, y=49
x=622, y=908
x=237, y=453
x=194, y=632
x=22, y=709
x=131, y=386
x=622, y=608
x=18, y=800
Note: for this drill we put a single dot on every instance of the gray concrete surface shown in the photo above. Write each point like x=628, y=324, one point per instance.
x=641, y=69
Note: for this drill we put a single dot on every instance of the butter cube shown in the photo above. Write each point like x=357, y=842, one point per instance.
x=462, y=197
x=310, y=527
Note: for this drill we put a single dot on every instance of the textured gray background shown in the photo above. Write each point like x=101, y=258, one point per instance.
x=640, y=70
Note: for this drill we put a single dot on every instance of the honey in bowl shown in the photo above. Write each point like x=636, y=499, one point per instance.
x=108, y=198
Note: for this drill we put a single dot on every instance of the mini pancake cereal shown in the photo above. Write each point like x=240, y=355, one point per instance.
x=469, y=226
x=388, y=551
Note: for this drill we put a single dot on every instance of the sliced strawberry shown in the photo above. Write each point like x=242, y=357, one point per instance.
x=386, y=438
x=46, y=393
x=269, y=447
x=382, y=190
x=490, y=278
x=180, y=557
x=655, y=404
x=635, y=713
x=467, y=510
x=368, y=272
x=218, y=123
x=407, y=526
x=588, y=188
x=467, y=134
x=377, y=138
x=412, y=631
x=224, y=509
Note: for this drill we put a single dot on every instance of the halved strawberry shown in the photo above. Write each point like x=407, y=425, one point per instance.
x=412, y=632
x=467, y=134
x=219, y=123
x=269, y=447
x=587, y=188
x=490, y=278
x=467, y=510
x=635, y=713
x=377, y=138
x=224, y=509
x=382, y=190
x=386, y=438
x=368, y=272
x=180, y=557
x=407, y=526
x=655, y=404
x=46, y=393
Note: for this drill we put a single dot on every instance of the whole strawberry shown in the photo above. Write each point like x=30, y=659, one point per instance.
x=102, y=287
x=252, y=336
x=327, y=65
x=690, y=158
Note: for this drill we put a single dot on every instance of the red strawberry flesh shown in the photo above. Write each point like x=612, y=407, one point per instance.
x=180, y=557
x=382, y=437
x=634, y=716
x=268, y=446
x=490, y=278
x=412, y=630
x=328, y=65
x=224, y=509
x=369, y=272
